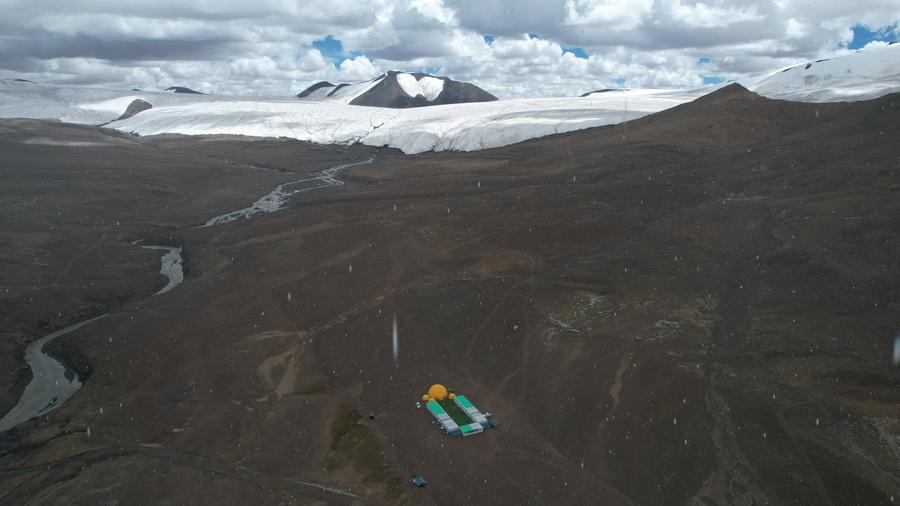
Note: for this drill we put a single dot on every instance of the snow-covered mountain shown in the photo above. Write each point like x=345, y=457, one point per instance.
x=91, y=106
x=183, y=89
x=327, y=114
x=343, y=93
x=862, y=75
x=398, y=90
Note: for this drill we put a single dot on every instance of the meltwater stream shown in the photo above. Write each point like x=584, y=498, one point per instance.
x=170, y=267
x=50, y=387
x=277, y=198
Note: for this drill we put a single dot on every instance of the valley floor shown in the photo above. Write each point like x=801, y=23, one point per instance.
x=697, y=307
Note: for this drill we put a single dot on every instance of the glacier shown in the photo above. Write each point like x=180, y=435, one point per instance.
x=857, y=75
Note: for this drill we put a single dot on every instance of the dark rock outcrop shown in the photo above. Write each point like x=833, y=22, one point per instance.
x=603, y=90
x=137, y=105
x=318, y=85
x=389, y=93
x=182, y=89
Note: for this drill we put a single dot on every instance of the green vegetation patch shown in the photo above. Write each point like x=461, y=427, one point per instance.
x=353, y=444
x=458, y=415
x=316, y=389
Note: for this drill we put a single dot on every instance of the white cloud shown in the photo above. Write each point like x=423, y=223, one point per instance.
x=615, y=14
x=795, y=29
x=876, y=43
x=435, y=9
x=310, y=61
x=702, y=15
x=355, y=69
x=264, y=47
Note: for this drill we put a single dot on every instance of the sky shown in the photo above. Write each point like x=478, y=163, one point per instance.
x=520, y=48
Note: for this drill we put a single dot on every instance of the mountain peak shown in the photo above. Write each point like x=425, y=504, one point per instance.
x=733, y=91
x=399, y=90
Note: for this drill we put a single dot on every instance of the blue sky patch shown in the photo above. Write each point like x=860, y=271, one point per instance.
x=577, y=51
x=488, y=39
x=333, y=50
x=712, y=79
x=863, y=34
x=533, y=35
x=329, y=47
x=620, y=81
x=704, y=60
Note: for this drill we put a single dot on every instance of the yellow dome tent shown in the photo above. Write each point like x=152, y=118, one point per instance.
x=438, y=391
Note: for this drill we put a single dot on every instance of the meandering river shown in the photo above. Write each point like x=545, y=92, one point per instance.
x=50, y=386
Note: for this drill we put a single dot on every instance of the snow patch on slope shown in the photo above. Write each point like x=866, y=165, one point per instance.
x=429, y=87
x=319, y=93
x=342, y=94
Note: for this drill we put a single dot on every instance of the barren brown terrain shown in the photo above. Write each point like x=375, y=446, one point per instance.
x=697, y=307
